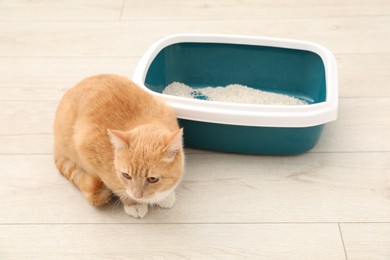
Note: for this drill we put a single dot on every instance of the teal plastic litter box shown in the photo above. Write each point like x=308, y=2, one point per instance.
x=301, y=69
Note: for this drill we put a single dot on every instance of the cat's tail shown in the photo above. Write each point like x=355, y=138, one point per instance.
x=90, y=185
x=67, y=168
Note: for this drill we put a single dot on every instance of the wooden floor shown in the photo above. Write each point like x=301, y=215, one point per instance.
x=330, y=203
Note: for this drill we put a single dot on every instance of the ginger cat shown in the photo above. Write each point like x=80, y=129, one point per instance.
x=110, y=136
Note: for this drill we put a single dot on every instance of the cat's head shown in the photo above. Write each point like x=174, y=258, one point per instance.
x=148, y=161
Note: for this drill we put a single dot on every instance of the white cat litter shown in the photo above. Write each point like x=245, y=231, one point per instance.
x=234, y=93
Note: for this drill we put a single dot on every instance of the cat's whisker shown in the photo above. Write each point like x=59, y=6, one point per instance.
x=117, y=204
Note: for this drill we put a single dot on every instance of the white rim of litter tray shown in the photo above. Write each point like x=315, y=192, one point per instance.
x=248, y=114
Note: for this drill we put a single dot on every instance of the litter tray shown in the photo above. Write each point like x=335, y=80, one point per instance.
x=300, y=69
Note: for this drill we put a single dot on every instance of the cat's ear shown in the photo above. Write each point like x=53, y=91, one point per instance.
x=173, y=144
x=119, y=139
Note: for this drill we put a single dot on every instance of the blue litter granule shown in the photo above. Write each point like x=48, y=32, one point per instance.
x=199, y=95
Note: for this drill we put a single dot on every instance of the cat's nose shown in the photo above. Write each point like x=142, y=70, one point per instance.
x=138, y=194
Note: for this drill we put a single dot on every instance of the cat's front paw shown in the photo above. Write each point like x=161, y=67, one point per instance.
x=136, y=210
x=168, y=201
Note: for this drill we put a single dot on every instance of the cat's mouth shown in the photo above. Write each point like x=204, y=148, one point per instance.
x=140, y=198
x=150, y=199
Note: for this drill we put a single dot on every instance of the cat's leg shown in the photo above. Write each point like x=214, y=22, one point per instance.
x=134, y=209
x=90, y=185
x=168, y=201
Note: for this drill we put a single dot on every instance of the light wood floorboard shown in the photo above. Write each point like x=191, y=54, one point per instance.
x=74, y=39
x=48, y=78
x=367, y=240
x=189, y=241
x=69, y=10
x=251, y=9
x=21, y=121
x=217, y=188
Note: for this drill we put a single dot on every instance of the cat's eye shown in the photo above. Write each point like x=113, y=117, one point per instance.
x=152, y=179
x=126, y=175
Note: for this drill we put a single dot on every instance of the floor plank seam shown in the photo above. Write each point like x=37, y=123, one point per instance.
x=57, y=100
x=121, y=12
x=342, y=241
x=211, y=153
x=194, y=223
x=76, y=57
x=205, y=19
x=200, y=20
x=126, y=57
